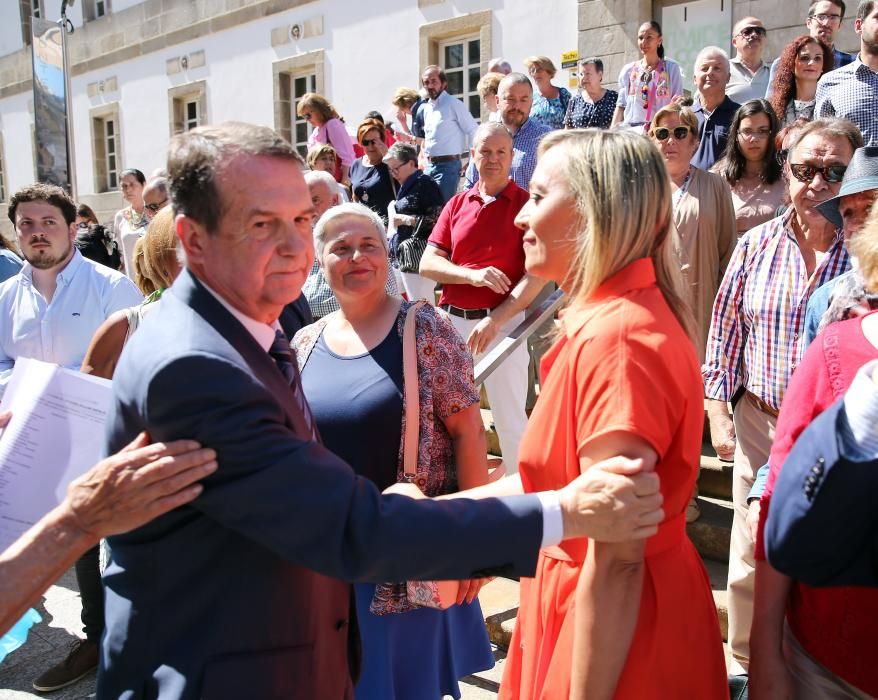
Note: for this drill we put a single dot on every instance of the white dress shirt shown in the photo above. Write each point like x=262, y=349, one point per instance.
x=861, y=408
x=553, y=521
x=59, y=331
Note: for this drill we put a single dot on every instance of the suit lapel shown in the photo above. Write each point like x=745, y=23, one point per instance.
x=191, y=292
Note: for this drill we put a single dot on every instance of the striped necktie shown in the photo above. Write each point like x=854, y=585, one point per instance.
x=282, y=354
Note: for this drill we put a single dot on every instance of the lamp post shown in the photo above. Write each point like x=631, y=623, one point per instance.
x=67, y=26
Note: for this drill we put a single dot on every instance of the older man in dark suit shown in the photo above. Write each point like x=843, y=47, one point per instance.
x=242, y=593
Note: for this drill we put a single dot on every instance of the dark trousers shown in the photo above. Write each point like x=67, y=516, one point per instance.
x=91, y=591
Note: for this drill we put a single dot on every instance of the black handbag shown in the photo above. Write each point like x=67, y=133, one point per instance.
x=411, y=250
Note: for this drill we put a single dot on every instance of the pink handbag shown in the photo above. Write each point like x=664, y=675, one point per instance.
x=424, y=594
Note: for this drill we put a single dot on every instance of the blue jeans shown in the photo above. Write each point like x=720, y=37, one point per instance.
x=447, y=176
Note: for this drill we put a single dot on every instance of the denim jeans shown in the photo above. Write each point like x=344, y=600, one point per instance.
x=447, y=176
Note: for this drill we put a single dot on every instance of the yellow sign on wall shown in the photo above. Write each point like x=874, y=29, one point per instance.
x=569, y=59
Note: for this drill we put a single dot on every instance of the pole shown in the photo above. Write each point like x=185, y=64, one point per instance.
x=66, y=25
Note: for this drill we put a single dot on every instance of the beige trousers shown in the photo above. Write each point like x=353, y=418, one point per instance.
x=755, y=433
x=811, y=681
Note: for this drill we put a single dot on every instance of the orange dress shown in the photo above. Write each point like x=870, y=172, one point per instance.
x=623, y=363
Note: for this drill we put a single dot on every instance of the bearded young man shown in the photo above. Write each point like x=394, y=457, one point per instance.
x=51, y=310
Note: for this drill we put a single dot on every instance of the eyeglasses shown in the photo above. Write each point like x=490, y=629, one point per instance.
x=806, y=173
x=663, y=133
x=754, y=135
x=828, y=19
x=399, y=166
x=747, y=32
x=306, y=116
x=369, y=142
x=155, y=207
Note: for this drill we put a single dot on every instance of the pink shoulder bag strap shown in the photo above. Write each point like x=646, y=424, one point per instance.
x=412, y=398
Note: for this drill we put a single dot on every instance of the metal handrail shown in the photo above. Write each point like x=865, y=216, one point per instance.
x=519, y=334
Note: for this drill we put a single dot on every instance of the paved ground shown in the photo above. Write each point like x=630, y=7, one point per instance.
x=48, y=642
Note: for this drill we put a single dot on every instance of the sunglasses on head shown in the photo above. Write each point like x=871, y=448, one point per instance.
x=369, y=142
x=663, y=133
x=806, y=173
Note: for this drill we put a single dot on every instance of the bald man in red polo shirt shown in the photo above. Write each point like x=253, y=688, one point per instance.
x=476, y=251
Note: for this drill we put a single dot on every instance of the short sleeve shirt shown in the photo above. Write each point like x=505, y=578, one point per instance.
x=475, y=234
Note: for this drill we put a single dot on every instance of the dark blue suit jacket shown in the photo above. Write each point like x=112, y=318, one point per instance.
x=822, y=526
x=242, y=594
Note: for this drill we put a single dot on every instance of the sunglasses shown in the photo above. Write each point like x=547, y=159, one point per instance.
x=155, y=207
x=806, y=173
x=306, y=116
x=751, y=31
x=663, y=133
x=369, y=142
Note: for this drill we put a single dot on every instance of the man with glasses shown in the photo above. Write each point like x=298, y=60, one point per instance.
x=155, y=196
x=851, y=92
x=757, y=338
x=823, y=22
x=748, y=73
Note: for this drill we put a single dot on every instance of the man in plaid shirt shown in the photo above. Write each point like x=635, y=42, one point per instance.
x=757, y=337
x=851, y=92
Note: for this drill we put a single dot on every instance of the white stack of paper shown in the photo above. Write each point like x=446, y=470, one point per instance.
x=56, y=434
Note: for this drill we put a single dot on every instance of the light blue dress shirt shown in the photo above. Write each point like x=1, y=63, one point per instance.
x=59, y=331
x=448, y=126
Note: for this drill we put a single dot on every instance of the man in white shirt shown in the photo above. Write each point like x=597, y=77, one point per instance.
x=448, y=129
x=749, y=74
x=51, y=310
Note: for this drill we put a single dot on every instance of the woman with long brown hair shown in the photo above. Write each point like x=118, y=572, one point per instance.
x=793, y=92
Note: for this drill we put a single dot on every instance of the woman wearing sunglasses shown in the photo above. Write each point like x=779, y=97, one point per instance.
x=751, y=167
x=647, y=85
x=756, y=339
x=371, y=182
x=793, y=91
x=704, y=215
x=327, y=127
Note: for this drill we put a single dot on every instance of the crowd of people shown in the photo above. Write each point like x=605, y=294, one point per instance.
x=717, y=244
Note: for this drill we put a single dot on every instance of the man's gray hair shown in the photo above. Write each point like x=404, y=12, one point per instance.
x=488, y=129
x=403, y=152
x=514, y=79
x=499, y=65
x=312, y=177
x=348, y=209
x=159, y=184
x=830, y=127
x=712, y=51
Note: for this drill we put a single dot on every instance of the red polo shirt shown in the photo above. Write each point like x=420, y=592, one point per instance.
x=478, y=235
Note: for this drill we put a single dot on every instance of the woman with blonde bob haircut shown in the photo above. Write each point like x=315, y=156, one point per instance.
x=607, y=620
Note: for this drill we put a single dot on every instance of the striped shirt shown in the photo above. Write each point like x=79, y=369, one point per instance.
x=757, y=329
x=851, y=92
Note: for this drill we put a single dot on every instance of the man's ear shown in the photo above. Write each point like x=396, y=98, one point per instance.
x=192, y=235
x=71, y=231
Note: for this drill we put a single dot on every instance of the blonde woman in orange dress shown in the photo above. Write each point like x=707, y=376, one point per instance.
x=632, y=620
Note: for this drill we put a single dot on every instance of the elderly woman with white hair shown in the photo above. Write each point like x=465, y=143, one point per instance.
x=352, y=374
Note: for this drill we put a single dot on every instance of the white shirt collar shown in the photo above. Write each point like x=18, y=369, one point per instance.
x=262, y=333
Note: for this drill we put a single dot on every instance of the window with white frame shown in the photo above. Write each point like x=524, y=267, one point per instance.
x=106, y=142
x=37, y=9
x=302, y=83
x=461, y=61
x=95, y=9
x=188, y=106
